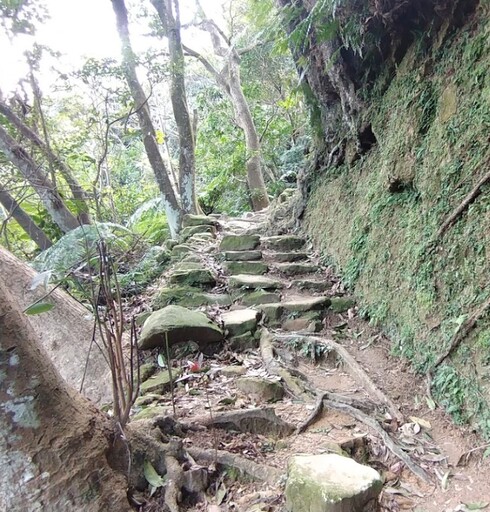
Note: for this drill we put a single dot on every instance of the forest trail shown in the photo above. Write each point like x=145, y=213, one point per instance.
x=297, y=346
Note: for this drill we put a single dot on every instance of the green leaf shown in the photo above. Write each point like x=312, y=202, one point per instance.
x=477, y=506
x=161, y=361
x=486, y=453
x=38, y=308
x=152, y=477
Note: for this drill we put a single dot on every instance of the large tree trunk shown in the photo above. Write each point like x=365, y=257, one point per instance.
x=255, y=177
x=24, y=220
x=79, y=195
x=170, y=19
x=43, y=186
x=173, y=209
x=65, y=332
x=53, y=443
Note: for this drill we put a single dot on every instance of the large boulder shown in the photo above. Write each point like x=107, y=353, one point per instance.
x=330, y=483
x=179, y=324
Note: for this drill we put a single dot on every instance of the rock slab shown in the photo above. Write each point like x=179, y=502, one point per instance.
x=239, y=242
x=240, y=321
x=330, y=483
x=180, y=324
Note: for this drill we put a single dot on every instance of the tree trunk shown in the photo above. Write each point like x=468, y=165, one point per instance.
x=53, y=443
x=170, y=19
x=255, y=178
x=173, y=209
x=79, y=195
x=50, y=198
x=14, y=209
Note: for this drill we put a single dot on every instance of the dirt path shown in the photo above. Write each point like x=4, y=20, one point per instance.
x=300, y=336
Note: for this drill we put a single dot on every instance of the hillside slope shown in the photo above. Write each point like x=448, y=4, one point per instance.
x=376, y=201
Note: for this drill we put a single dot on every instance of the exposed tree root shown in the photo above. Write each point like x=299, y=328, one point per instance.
x=462, y=332
x=295, y=385
x=470, y=198
x=333, y=398
x=175, y=478
x=255, y=421
x=388, y=441
x=355, y=371
x=251, y=469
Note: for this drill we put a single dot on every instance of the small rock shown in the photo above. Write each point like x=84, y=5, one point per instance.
x=261, y=389
x=243, y=255
x=239, y=242
x=178, y=324
x=272, y=312
x=240, y=321
x=330, y=483
x=314, y=286
x=302, y=324
x=160, y=382
x=283, y=243
x=151, y=412
x=254, y=282
x=245, y=341
x=246, y=267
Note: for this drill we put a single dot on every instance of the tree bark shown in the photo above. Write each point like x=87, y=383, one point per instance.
x=229, y=80
x=43, y=186
x=24, y=220
x=79, y=195
x=170, y=19
x=173, y=209
x=53, y=443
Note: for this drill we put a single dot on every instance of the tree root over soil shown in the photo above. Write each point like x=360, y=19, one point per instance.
x=355, y=370
x=347, y=405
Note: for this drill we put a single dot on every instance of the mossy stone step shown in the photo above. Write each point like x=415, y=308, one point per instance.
x=294, y=269
x=283, y=243
x=242, y=255
x=188, y=297
x=288, y=257
x=198, y=220
x=239, y=242
x=180, y=250
x=260, y=297
x=252, y=282
x=192, y=277
x=189, y=231
x=307, y=304
x=341, y=304
x=246, y=267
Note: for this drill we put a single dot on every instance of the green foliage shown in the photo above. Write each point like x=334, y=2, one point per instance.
x=150, y=222
x=79, y=247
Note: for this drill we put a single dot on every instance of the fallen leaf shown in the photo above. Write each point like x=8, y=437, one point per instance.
x=421, y=422
x=477, y=506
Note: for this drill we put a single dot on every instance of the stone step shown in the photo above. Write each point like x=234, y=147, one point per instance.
x=239, y=242
x=242, y=255
x=275, y=312
x=288, y=257
x=192, y=277
x=187, y=232
x=259, y=297
x=283, y=243
x=246, y=267
x=240, y=321
x=252, y=282
x=294, y=269
x=188, y=297
x=190, y=220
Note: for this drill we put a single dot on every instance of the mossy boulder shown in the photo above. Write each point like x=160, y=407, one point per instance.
x=239, y=242
x=330, y=483
x=179, y=324
x=246, y=267
x=188, y=297
x=160, y=382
